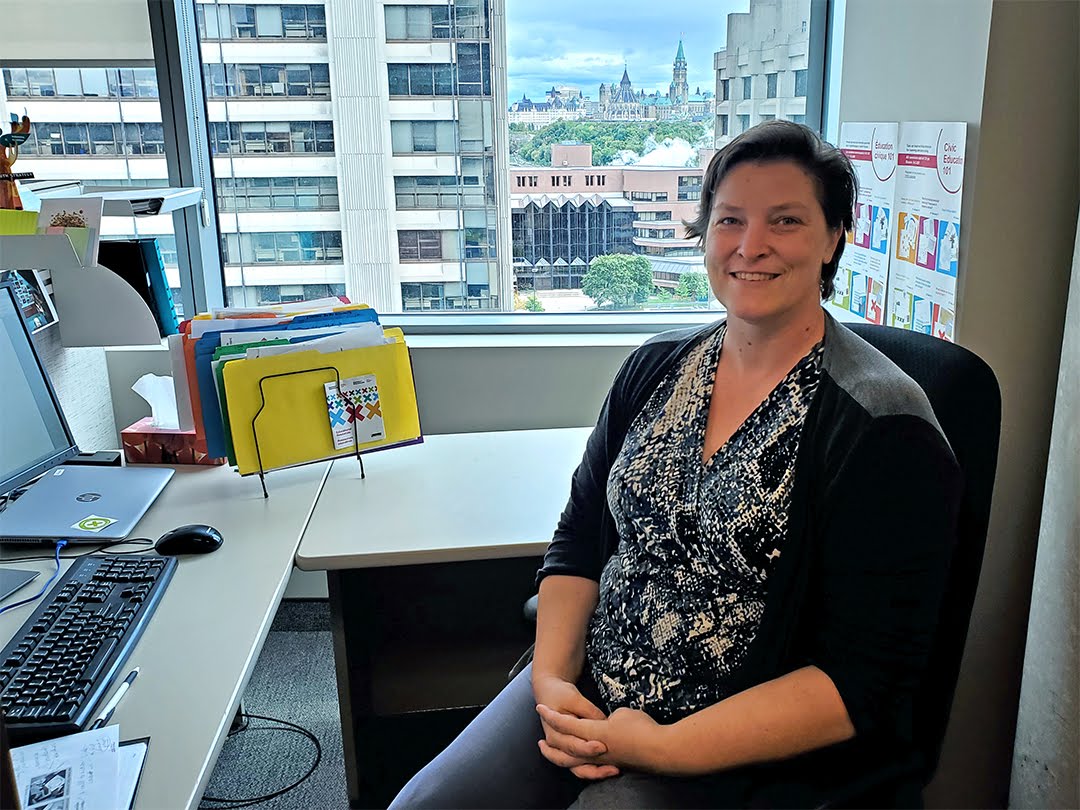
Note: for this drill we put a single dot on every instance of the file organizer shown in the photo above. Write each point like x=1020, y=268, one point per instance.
x=277, y=411
x=199, y=355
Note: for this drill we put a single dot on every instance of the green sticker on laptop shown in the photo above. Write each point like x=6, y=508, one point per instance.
x=94, y=523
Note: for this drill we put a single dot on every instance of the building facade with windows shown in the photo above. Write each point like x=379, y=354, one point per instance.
x=319, y=181
x=566, y=215
x=761, y=74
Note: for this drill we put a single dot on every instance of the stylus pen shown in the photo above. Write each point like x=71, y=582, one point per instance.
x=110, y=707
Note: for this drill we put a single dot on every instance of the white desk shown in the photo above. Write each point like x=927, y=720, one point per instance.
x=429, y=560
x=456, y=497
x=202, y=642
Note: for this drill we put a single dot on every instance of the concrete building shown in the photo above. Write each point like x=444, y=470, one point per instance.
x=761, y=74
x=578, y=197
x=297, y=136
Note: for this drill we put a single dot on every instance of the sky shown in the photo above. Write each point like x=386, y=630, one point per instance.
x=584, y=42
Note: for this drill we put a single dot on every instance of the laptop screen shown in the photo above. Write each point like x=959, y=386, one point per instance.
x=33, y=433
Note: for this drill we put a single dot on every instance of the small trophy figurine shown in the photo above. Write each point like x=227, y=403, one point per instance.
x=9, y=153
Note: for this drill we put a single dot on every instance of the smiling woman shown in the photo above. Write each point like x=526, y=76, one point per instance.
x=713, y=629
x=798, y=191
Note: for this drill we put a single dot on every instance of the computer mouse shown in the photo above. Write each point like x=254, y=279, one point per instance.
x=196, y=538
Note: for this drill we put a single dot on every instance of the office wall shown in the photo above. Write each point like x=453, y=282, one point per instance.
x=80, y=379
x=1046, y=761
x=1009, y=69
x=77, y=30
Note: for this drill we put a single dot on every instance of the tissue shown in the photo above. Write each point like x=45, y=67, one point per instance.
x=161, y=395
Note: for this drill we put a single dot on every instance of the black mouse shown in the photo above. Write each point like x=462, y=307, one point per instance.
x=196, y=538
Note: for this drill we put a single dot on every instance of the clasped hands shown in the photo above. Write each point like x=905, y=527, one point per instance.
x=578, y=736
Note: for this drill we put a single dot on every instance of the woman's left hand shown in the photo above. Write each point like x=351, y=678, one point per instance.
x=633, y=739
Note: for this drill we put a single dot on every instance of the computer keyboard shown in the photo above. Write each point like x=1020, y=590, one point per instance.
x=62, y=660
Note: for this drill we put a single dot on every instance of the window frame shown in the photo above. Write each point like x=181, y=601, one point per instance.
x=570, y=322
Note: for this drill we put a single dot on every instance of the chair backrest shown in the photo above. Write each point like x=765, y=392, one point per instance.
x=964, y=394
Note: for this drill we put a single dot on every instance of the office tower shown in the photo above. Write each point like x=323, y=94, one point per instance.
x=761, y=74
x=427, y=216
x=338, y=165
x=379, y=162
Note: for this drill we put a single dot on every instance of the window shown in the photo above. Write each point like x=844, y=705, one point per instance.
x=747, y=84
x=800, y=83
x=440, y=192
x=689, y=187
x=768, y=118
x=427, y=296
x=277, y=194
x=725, y=89
x=80, y=82
x=649, y=196
x=723, y=125
x=264, y=137
x=224, y=80
x=744, y=123
x=261, y=22
x=419, y=246
x=417, y=22
x=654, y=216
x=654, y=233
x=423, y=136
x=471, y=74
x=94, y=139
x=68, y=82
x=770, y=85
x=799, y=119
x=289, y=247
x=15, y=83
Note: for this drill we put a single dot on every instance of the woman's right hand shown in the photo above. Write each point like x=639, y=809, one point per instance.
x=572, y=752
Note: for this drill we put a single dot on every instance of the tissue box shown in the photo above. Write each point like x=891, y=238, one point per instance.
x=146, y=444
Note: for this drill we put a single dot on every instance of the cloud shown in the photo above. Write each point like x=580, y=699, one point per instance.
x=582, y=43
x=674, y=152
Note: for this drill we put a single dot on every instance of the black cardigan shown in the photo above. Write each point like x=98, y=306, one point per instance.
x=870, y=533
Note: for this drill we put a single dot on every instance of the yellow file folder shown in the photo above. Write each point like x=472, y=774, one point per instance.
x=278, y=408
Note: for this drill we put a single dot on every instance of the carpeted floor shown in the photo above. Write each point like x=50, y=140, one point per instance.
x=294, y=681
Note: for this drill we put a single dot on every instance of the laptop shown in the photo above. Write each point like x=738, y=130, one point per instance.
x=82, y=504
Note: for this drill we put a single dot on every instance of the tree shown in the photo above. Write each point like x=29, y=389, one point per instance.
x=692, y=286
x=533, y=304
x=607, y=138
x=618, y=279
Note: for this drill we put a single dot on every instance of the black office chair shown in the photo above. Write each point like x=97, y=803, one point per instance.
x=965, y=396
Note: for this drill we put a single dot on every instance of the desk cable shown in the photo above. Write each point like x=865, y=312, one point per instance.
x=99, y=548
x=59, y=545
x=102, y=548
x=286, y=726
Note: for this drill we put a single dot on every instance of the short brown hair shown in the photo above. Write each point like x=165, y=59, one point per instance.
x=832, y=173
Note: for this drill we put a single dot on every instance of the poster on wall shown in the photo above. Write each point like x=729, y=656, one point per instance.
x=862, y=276
x=37, y=308
x=924, y=259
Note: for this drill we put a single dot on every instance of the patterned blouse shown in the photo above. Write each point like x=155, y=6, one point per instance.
x=682, y=597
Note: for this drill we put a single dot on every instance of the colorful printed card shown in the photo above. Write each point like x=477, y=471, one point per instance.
x=357, y=404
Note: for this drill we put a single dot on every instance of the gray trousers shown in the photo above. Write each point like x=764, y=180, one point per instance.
x=495, y=763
